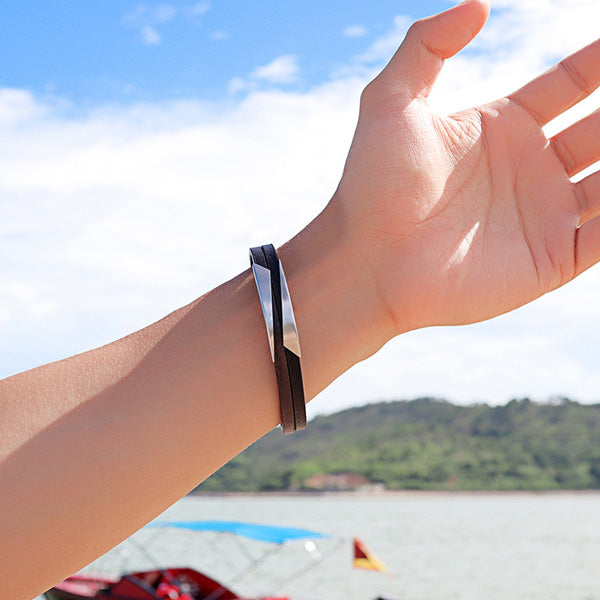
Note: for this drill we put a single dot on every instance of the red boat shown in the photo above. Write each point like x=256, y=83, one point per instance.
x=163, y=584
x=188, y=584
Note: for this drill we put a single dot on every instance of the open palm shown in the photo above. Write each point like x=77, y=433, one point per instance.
x=464, y=217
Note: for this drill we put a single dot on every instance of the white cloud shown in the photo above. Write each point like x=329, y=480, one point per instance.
x=105, y=219
x=150, y=36
x=283, y=69
x=18, y=106
x=147, y=20
x=239, y=84
x=220, y=35
x=143, y=15
x=355, y=31
x=111, y=215
x=163, y=13
x=198, y=9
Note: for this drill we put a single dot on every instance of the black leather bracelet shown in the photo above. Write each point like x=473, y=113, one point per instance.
x=283, y=335
x=291, y=348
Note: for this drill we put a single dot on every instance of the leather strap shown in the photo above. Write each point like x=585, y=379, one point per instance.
x=294, y=370
x=279, y=358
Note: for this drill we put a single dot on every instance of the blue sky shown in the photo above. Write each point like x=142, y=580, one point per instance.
x=135, y=136
x=115, y=51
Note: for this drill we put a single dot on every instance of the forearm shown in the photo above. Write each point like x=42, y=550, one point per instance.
x=114, y=436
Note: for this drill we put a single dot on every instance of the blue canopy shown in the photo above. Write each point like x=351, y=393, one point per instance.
x=262, y=533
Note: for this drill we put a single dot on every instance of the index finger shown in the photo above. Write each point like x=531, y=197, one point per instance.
x=563, y=85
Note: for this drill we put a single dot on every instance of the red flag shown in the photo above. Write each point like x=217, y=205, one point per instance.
x=365, y=559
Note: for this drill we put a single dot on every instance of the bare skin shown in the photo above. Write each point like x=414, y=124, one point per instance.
x=437, y=220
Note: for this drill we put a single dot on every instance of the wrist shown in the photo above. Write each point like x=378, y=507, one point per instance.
x=339, y=315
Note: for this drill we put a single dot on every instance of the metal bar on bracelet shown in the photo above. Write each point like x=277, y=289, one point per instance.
x=290, y=331
x=262, y=277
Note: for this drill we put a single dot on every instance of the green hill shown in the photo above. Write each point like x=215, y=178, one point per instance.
x=429, y=444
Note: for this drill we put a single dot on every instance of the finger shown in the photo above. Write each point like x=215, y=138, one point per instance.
x=562, y=86
x=415, y=66
x=587, y=246
x=588, y=197
x=578, y=146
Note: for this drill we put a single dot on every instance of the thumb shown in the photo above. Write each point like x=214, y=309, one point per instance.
x=417, y=63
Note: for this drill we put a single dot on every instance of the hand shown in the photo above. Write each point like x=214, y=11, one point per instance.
x=461, y=218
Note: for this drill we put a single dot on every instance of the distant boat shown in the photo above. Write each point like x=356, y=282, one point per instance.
x=184, y=583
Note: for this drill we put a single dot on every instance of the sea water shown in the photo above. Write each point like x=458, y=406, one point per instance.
x=449, y=546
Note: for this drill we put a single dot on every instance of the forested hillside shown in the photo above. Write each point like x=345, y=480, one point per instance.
x=428, y=444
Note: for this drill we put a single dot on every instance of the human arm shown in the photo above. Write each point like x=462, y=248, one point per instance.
x=121, y=432
x=95, y=446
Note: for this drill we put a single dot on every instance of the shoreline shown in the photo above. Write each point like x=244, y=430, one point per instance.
x=391, y=493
